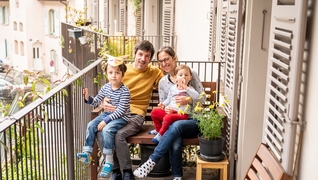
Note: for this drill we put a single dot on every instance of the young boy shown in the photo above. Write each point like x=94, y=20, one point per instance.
x=119, y=96
x=161, y=119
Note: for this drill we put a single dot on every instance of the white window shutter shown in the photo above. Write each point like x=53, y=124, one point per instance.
x=46, y=22
x=1, y=15
x=230, y=51
x=106, y=17
x=212, y=29
x=122, y=16
x=6, y=15
x=168, y=21
x=286, y=47
x=57, y=23
x=139, y=21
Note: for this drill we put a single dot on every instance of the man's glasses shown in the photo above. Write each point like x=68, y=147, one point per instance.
x=164, y=60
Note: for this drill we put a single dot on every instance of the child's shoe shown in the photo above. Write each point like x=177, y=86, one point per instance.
x=156, y=139
x=106, y=169
x=153, y=132
x=83, y=157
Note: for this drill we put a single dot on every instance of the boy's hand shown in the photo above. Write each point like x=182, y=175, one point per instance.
x=86, y=94
x=101, y=125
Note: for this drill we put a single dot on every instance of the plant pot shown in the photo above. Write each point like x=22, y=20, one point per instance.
x=211, y=148
x=75, y=33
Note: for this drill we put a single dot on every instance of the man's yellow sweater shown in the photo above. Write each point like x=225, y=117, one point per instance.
x=140, y=84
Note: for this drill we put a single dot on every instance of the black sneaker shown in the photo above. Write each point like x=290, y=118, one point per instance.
x=116, y=176
x=129, y=176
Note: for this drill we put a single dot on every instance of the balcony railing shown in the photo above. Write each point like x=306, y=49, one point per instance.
x=76, y=54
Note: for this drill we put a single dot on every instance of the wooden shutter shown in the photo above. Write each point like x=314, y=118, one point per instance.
x=212, y=29
x=46, y=22
x=168, y=21
x=95, y=20
x=286, y=47
x=57, y=23
x=123, y=16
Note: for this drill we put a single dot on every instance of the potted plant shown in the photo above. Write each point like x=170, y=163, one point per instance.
x=210, y=123
x=77, y=16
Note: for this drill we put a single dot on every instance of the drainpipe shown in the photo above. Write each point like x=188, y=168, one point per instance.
x=66, y=4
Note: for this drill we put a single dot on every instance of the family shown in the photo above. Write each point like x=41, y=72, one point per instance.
x=125, y=100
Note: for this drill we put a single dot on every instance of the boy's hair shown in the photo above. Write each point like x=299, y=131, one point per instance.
x=122, y=67
x=145, y=46
x=182, y=66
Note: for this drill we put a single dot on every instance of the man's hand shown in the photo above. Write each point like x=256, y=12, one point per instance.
x=101, y=125
x=183, y=100
x=108, y=107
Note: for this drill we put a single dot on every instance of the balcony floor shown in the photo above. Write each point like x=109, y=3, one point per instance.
x=188, y=174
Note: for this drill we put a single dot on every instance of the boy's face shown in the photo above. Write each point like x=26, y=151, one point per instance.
x=114, y=74
x=142, y=59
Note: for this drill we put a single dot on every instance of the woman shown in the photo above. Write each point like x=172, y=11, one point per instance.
x=172, y=139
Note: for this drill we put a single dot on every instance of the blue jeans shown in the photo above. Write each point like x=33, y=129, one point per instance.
x=108, y=133
x=172, y=141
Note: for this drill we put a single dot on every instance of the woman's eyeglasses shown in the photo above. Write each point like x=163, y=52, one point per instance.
x=164, y=60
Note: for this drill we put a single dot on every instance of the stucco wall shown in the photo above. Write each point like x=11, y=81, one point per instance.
x=308, y=159
x=192, y=27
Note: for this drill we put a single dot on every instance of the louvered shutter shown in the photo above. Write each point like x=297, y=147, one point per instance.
x=212, y=29
x=230, y=41
x=122, y=16
x=138, y=20
x=106, y=17
x=286, y=47
x=6, y=15
x=1, y=15
x=46, y=22
x=95, y=13
x=57, y=23
x=168, y=22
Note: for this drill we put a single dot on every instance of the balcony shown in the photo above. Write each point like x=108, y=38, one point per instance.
x=40, y=141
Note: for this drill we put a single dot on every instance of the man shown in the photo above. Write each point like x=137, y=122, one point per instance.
x=140, y=78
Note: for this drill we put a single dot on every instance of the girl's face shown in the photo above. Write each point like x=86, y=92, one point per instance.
x=167, y=62
x=114, y=75
x=183, y=77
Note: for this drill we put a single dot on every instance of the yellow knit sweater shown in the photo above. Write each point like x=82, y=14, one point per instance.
x=140, y=84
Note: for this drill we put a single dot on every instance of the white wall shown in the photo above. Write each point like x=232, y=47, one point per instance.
x=254, y=83
x=308, y=159
x=192, y=27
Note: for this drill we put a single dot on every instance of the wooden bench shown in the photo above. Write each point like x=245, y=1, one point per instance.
x=265, y=166
x=143, y=137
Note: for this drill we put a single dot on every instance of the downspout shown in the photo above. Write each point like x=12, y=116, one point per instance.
x=66, y=4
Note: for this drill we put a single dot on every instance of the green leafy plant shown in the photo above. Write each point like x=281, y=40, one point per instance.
x=210, y=119
x=76, y=16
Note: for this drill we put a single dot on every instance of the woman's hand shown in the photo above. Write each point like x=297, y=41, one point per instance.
x=183, y=100
x=161, y=106
x=101, y=125
x=108, y=107
x=169, y=110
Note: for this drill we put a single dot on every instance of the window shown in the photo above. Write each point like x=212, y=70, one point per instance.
x=20, y=26
x=51, y=22
x=16, y=48
x=21, y=48
x=1, y=15
x=5, y=15
x=14, y=25
x=6, y=48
